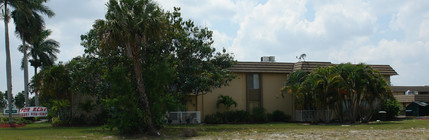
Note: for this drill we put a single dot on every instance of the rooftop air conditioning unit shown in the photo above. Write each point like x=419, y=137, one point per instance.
x=268, y=59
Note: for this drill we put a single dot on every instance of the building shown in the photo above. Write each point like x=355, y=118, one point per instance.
x=258, y=84
x=410, y=97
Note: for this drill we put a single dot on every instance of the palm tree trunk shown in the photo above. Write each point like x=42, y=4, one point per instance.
x=27, y=103
x=8, y=63
x=36, y=91
x=135, y=52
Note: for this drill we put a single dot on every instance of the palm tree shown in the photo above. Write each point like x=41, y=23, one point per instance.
x=293, y=85
x=28, y=23
x=226, y=101
x=364, y=88
x=24, y=5
x=6, y=18
x=129, y=25
x=43, y=53
x=327, y=84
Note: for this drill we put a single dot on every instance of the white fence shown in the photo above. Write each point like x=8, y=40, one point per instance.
x=184, y=117
x=313, y=115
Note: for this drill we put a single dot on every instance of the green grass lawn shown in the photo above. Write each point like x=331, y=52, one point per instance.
x=407, y=129
x=44, y=131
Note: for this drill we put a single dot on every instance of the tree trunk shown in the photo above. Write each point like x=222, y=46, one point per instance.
x=36, y=91
x=8, y=63
x=135, y=52
x=27, y=103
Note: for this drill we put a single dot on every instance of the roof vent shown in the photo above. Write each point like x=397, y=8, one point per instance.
x=268, y=59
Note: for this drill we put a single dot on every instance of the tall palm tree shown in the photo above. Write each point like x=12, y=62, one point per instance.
x=6, y=19
x=28, y=23
x=16, y=4
x=43, y=53
x=129, y=25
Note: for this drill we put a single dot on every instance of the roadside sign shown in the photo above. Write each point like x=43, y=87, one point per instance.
x=14, y=111
x=33, y=112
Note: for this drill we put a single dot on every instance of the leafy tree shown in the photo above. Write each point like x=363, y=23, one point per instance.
x=20, y=99
x=199, y=67
x=163, y=58
x=32, y=100
x=226, y=101
x=54, y=83
x=3, y=101
x=129, y=25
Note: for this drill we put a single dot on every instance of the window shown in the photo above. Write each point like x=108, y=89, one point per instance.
x=254, y=81
x=253, y=92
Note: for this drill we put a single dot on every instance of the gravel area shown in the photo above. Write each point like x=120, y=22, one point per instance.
x=412, y=134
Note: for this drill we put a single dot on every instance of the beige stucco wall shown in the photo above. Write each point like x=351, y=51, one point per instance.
x=236, y=90
x=271, y=95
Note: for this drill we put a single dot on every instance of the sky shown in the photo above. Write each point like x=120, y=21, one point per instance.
x=389, y=32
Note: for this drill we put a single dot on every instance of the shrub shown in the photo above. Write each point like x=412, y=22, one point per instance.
x=56, y=122
x=239, y=116
x=278, y=116
x=392, y=108
x=2, y=121
x=5, y=120
x=227, y=101
x=242, y=116
x=125, y=115
x=258, y=115
x=213, y=118
x=22, y=121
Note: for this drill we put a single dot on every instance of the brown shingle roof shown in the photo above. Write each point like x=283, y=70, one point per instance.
x=307, y=66
x=411, y=88
x=262, y=67
x=384, y=69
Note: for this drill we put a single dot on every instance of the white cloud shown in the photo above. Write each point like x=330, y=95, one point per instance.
x=72, y=19
x=283, y=26
x=424, y=29
x=221, y=40
x=410, y=18
x=341, y=31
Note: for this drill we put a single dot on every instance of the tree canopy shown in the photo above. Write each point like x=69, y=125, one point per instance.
x=140, y=62
x=20, y=99
x=353, y=92
x=3, y=101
